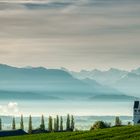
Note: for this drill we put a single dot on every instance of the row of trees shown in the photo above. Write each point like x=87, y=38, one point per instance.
x=58, y=123
x=54, y=124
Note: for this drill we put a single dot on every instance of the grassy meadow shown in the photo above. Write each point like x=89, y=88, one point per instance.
x=115, y=133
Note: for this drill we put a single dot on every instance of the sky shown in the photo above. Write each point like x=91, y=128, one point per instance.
x=76, y=34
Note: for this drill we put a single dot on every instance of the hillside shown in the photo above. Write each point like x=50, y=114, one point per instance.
x=43, y=83
x=123, y=81
x=118, y=133
x=103, y=77
x=129, y=84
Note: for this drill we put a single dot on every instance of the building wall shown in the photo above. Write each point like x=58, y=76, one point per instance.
x=136, y=116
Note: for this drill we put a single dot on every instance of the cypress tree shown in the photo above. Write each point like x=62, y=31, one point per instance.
x=61, y=123
x=21, y=123
x=118, y=121
x=42, y=125
x=68, y=123
x=0, y=124
x=50, y=124
x=72, y=123
x=30, y=125
x=13, y=124
x=57, y=123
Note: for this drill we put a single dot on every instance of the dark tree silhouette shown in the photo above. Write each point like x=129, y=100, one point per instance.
x=13, y=124
x=21, y=123
x=30, y=125
x=118, y=121
x=57, y=123
x=42, y=125
x=0, y=124
x=72, y=123
x=61, y=123
x=50, y=123
x=68, y=123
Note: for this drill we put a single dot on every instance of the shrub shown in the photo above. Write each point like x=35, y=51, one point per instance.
x=100, y=125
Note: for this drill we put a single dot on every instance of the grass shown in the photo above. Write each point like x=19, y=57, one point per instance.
x=116, y=133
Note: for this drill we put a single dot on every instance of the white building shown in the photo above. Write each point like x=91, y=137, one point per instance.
x=136, y=112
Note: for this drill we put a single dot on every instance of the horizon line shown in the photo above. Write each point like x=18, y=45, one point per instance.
x=65, y=68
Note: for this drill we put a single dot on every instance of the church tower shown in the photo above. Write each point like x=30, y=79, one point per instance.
x=136, y=112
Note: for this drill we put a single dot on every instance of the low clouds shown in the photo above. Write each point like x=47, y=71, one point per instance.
x=104, y=33
x=11, y=108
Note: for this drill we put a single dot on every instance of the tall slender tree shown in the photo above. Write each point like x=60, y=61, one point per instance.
x=13, y=123
x=21, y=123
x=42, y=125
x=57, y=123
x=61, y=123
x=68, y=123
x=30, y=125
x=72, y=123
x=118, y=121
x=0, y=124
x=50, y=123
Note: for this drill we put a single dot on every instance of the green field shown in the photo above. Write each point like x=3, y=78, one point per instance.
x=118, y=133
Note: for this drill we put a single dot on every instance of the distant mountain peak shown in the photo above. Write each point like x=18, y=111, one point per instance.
x=137, y=71
x=64, y=69
x=5, y=66
x=39, y=68
x=113, y=69
x=28, y=67
x=117, y=70
x=96, y=70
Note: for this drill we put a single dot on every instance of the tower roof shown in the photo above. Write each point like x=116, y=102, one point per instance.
x=136, y=104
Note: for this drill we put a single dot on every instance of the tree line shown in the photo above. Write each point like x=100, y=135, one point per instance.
x=54, y=124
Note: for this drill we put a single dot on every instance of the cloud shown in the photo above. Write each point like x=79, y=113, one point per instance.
x=73, y=19
x=10, y=109
x=76, y=31
x=12, y=105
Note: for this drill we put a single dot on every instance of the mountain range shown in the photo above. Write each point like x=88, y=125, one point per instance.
x=55, y=84
x=127, y=82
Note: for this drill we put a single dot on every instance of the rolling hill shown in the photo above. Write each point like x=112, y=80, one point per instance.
x=116, y=133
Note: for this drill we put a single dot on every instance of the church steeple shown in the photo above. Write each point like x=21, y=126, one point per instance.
x=136, y=112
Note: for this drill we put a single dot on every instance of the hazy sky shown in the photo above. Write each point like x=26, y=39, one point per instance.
x=76, y=34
